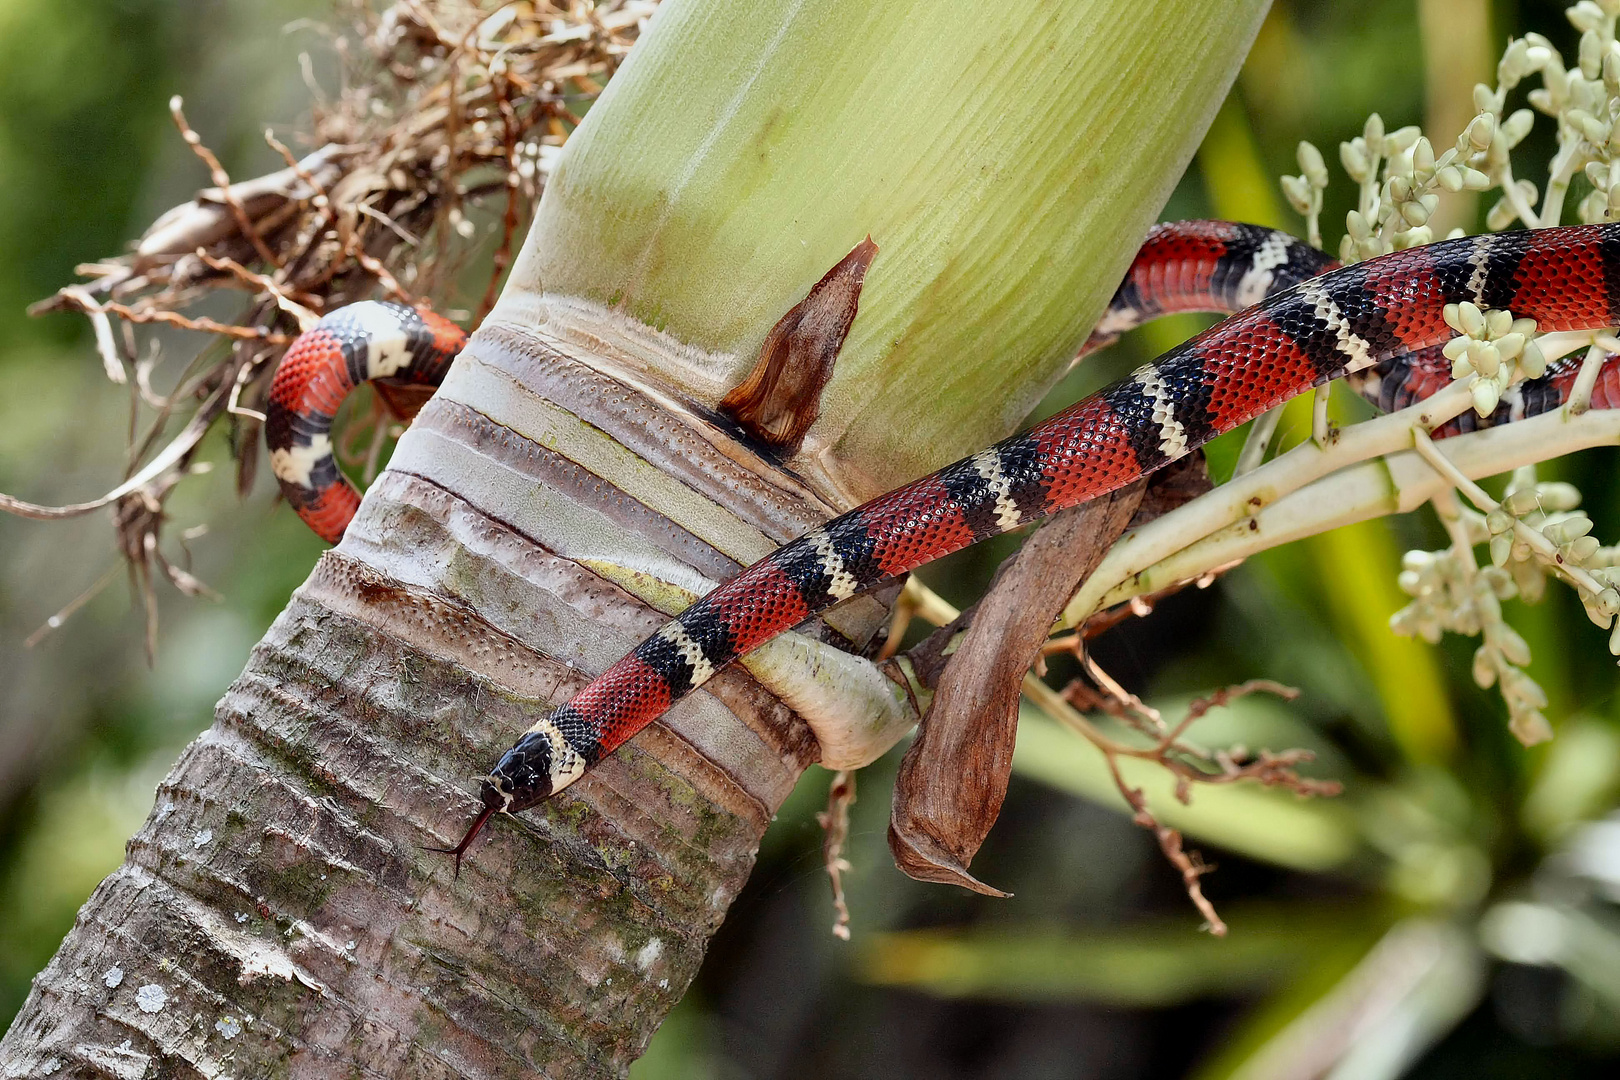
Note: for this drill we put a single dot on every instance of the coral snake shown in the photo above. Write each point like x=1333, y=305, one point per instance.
x=1302, y=320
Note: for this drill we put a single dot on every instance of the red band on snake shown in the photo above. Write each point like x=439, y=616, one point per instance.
x=1379, y=321
x=1223, y=267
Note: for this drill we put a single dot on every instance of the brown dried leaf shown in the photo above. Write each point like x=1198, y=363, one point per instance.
x=781, y=397
x=404, y=400
x=954, y=775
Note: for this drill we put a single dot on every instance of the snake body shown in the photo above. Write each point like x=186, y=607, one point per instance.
x=1222, y=266
x=364, y=342
x=1305, y=321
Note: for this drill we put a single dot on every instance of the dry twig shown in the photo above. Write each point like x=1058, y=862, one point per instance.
x=1166, y=745
x=222, y=180
x=834, y=822
x=1187, y=763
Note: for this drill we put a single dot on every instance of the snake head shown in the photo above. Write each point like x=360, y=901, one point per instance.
x=523, y=775
x=540, y=764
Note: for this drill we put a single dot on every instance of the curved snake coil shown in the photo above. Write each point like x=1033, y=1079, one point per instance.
x=1379, y=321
x=370, y=341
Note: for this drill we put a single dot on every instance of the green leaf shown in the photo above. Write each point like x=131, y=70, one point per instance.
x=1154, y=965
x=1006, y=161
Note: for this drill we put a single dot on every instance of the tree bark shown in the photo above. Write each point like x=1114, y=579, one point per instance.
x=277, y=913
x=279, y=906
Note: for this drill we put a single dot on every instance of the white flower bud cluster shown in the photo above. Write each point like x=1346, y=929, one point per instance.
x=1537, y=530
x=1446, y=595
x=1533, y=504
x=1494, y=347
x=1551, y=510
x=1450, y=593
x=1585, y=102
x=1304, y=192
x=1400, y=179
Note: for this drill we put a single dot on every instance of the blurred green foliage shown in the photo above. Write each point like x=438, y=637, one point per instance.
x=87, y=156
x=1450, y=848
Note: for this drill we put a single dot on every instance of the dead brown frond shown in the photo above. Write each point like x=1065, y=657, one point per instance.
x=446, y=106
x=1018, y=597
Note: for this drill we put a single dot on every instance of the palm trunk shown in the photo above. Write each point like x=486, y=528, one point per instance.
x=277, y=911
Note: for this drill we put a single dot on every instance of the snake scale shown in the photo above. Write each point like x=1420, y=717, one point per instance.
x=1302, y=321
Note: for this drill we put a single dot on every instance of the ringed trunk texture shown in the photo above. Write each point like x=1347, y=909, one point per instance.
x=280, y=891
x=277, y=914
